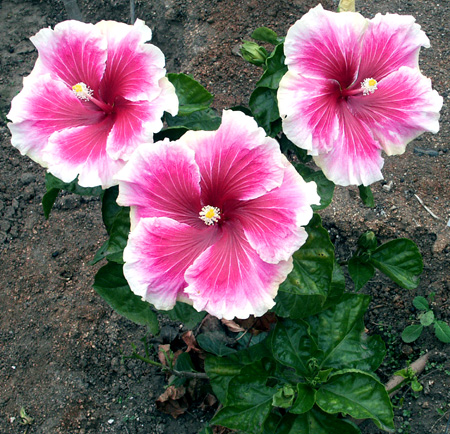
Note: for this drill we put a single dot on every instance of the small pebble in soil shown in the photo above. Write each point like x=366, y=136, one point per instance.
x=429, y=152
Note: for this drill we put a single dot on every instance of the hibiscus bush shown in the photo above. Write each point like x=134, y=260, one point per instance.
x=211, y=218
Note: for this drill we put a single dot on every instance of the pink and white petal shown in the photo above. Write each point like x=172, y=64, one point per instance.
x=236, y=162
x=402, y=108
x=326, y=44
x=309, y=111
x=161, y=180
x=273, y=222
x=356, y=157
x=391, y=41
x=74, y=51
x=133, y=68
x=81, y=152
x=158, y=252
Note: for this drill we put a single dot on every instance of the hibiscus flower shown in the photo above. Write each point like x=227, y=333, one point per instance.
x=353, y=89
x=215, y=219
x=95, y=93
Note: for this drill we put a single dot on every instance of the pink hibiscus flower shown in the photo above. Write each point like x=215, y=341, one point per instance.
x=95, y=93
x=353, y=89
x=215, y=219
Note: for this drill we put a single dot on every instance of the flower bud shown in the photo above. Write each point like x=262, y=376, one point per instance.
x=253, y=53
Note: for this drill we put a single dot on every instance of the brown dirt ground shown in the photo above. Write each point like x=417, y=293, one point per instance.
x=61, y=345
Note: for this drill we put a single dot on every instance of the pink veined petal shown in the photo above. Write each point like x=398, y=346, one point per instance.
x=158, y=252
x=403, y=107
x=273, y=222
x=74, y=51
x=46, y=105
x=162, y=180
x=230, y=280
x=355, y=158
x=325, y=44
x=82, y=151
x=237, y=161
x=391, y=41
x=133, y=68
x=309, y=111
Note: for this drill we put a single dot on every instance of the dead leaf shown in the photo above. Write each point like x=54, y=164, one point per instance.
x=173, y=401
x=232, y=326
x=190, y=341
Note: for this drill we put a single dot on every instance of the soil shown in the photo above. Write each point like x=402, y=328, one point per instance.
x=62, y=345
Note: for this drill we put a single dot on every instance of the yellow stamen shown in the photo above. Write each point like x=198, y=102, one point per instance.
x=210, y=215
x=369, y=85
x=82, y=91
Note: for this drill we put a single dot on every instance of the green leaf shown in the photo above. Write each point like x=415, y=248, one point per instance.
x=305, y=290
x=337, y=287
x=110, y=208
x=221, y=370
x=214, y=343
x=172, y=133
x=315, y=422
x=284, y=397
x=48, y=200
x=442, y=331
x=264, y=106
x=250, y=399
x=325, y=187
x=186, y=314
x=184, y=363
x=275, y=69
x=400, y=260
x=206, y=120
x=112, y=286
x=339, y=333
x=365, y=193
x=421, y=303
x=412, y=332
x=265, y=34
x=358, y=394
x=306, y=397
x=427, y=318
x=293, y=346
x=360, y=272
x=287, y=147
x=192, y=96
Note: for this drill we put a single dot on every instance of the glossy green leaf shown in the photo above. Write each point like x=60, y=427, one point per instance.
x=110, y=208
x=293, y=346
x=412, y=332
x=358, y=394
x=48, y=200
x=365, y=193
x=264, y=106
x=214, y=342
x=400, y=260
x=192, y=96
x=427, y=318
x=270, y=424
x=305, y=290
x=325, y=187
x=442, y=331
x=265, y=34
x=275, y=69
x=306, y=397
x=284, y=397
x=185, y=313
x=206, y=120
x=421, y=303
x=360, y=272
x=315, y=422
x=112, y=286
x=221, y=370
x=339, y=333
x=337, y=287
x=184, y=363
x=172, y=133
x=249, y=400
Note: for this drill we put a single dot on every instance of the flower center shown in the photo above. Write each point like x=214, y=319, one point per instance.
x=369, y=85
x=82, y=91
x=210, y=215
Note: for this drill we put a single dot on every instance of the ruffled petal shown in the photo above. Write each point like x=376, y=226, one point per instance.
x=162, y=180
x=81, y=152
x=134, y=68
x=230, y=280
x=273, y=223
x=391, y=41
x=325, y=44
x=355, y=158
x=237, y=161
x=74, y=51
x=309, y=111
x=403, y=107
x=158, y=252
